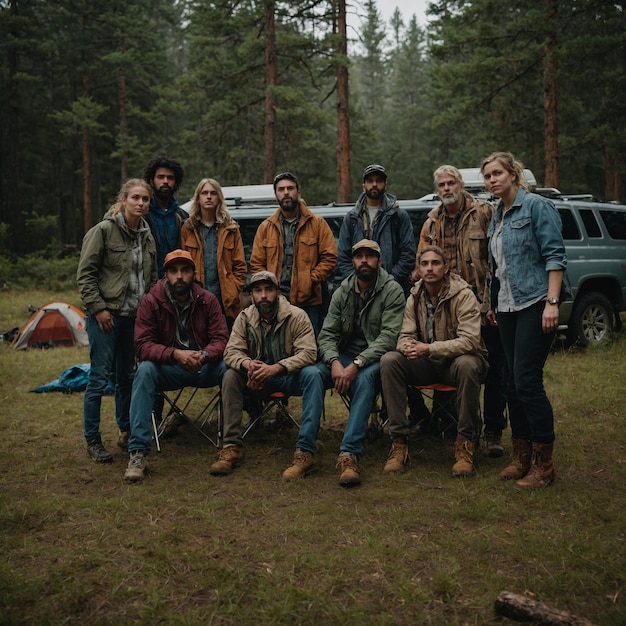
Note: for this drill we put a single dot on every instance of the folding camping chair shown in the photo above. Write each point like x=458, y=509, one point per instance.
x=275, y=401
x=442, y=401
x=377, y=420
x=188, y=408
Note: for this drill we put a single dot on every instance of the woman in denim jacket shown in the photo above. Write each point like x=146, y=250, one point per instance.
x=528, y=261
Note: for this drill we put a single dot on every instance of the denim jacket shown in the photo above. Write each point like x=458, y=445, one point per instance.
x=533, y=246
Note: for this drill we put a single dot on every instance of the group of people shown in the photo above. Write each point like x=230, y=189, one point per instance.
x=476, y=301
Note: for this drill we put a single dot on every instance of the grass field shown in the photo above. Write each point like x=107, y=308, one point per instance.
x=81, y=546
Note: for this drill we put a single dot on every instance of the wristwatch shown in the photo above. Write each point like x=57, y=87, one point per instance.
x=358, y=362
x=552, y=300
x=205, y=355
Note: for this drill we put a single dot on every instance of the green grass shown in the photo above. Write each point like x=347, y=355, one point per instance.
x=81, y=546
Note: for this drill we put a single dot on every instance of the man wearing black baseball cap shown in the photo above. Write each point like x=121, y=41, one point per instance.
x=377, y=216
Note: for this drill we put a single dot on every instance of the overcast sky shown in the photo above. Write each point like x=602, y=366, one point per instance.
x=356, y=12
x=407, y=8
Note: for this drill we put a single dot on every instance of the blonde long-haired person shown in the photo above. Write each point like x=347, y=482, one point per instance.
x=117, y=266
x=528, y=261
x=214, y=241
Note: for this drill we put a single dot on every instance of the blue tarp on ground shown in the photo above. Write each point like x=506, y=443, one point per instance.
x=72, y=379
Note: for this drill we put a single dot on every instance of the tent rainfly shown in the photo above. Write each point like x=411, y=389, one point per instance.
x=57, y=323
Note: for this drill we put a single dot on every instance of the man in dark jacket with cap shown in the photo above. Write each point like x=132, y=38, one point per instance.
x=377, y=216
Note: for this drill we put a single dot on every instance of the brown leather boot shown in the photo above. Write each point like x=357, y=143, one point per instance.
x=398, y=457
x=541, y=472
x=464, y=454
x=520, y=463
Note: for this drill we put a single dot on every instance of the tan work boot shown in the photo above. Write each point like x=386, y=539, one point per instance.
x=398, y=456
x=464, y=455
x=228, y=459
x=520, y=463
x=303, y=464
x=349, y=470
x=541, y=472
x=137, y=467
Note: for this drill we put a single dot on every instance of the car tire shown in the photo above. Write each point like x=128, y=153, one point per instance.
x=592, y=319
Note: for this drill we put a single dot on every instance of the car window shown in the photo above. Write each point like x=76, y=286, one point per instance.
x=570, y=227
x=615, y=222
x=591, y=224
x=418, y=217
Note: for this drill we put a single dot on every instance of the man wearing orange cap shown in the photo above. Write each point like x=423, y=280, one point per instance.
x=180, y=336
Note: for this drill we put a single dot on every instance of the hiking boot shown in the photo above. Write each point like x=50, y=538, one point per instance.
x=303, y=464
x=99, y=453
x=171, y=426
x=520, y=463
x=493, y=442
x=349, y=476
x=137, y=467
x=122, y=440
x=464, y=454
x=541, y=472
x=228, y=459
x=398, y=456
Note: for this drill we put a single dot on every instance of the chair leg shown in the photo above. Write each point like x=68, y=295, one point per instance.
x=155, y=432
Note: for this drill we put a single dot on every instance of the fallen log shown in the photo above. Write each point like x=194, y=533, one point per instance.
x=523, y=609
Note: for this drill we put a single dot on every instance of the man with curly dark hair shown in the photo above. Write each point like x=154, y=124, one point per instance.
x=165, y=176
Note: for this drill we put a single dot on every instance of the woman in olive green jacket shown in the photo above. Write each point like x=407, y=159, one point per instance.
x=117, y=267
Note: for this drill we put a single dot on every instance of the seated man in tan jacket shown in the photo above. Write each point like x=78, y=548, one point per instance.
x=439, y=342
x=269, y=348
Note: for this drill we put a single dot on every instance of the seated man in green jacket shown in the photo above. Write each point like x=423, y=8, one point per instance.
x=362, y=324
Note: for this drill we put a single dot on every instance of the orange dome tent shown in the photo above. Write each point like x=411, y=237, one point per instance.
x=57, y=323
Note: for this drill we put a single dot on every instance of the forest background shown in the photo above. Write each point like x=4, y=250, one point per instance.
x=239, y=90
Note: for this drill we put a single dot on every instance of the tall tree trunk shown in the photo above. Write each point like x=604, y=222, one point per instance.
x=271, y=80
x=10, y=159
x=551, y=138
x=123, y=101
x=87, y=215
x=344, y=183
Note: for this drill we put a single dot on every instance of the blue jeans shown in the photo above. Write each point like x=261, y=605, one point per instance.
x=362, y=394
x=112, y=356
x=307, y=383
x=526, y=348
x=150, y=379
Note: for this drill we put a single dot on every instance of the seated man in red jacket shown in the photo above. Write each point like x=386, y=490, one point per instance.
x=180, y=336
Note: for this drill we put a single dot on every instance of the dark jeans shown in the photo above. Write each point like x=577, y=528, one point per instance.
x=495, y=383
x=526, y=348
x=112, y=356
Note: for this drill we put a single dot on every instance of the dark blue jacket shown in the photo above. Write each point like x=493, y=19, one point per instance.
x=393, y=232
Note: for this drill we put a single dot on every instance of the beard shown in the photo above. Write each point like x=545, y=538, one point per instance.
x=288, y=204
x=165, y=191
x=180, y=288
x=366, y=274
x=453, y=199
x=267, y=309
x=374, y=194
